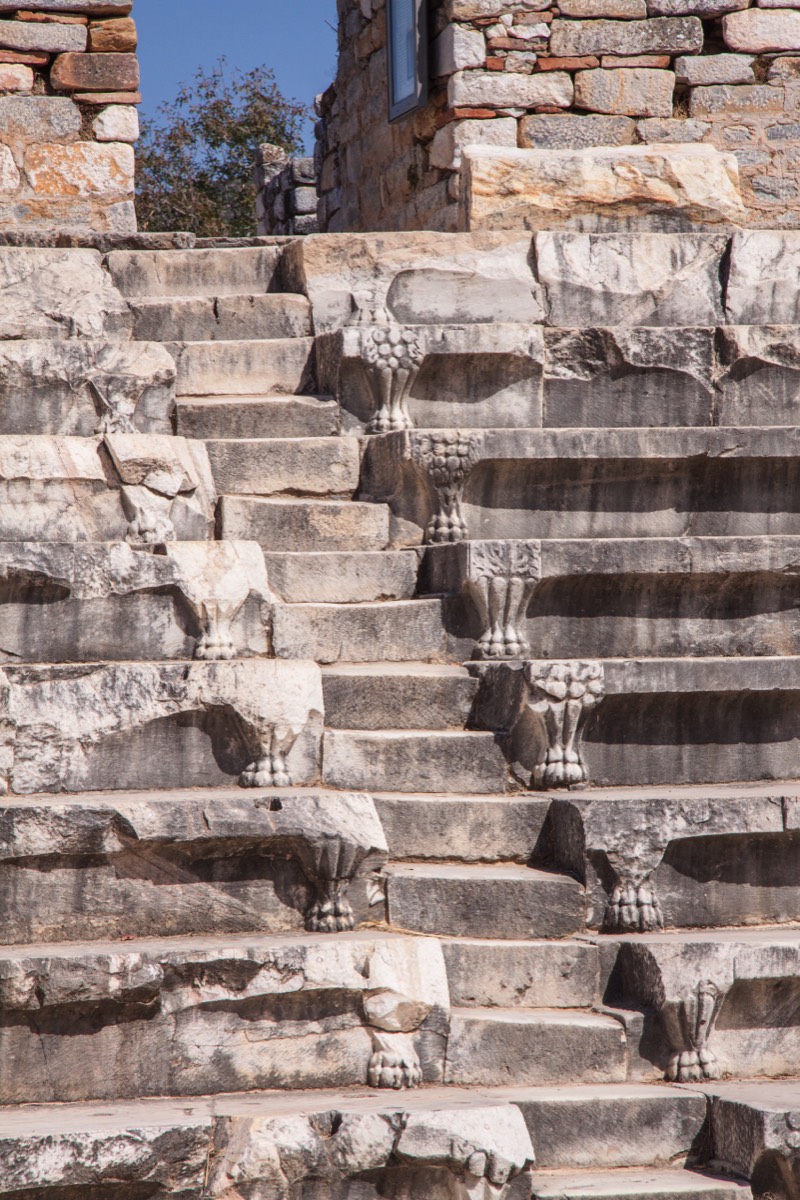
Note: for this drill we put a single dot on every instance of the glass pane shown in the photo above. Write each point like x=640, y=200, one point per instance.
x=404, y=49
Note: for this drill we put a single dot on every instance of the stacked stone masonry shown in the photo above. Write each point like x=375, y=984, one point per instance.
x=69, y=82
x=560, y=77
x=286, y=193
x=400, y=705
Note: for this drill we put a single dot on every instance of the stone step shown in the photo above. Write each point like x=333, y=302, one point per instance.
x=380, y=696
x=283, y=365
x=222, y=318
x=602, y=1126
x=498, y=901
x=305, y=525
x=693, y=596
x=490, y=1046
x=693, y=720
x=501, y=973
x=594, y=483
x=397, y=630
x=463, y=828
x=637, y=1185
x=163, y=1147
x=256, y=416
x=155, y=273
x=192, y=1016
x=326, y=466
x=753, y=1125
x=342, y=578
x=161, y=863
x=414, y=761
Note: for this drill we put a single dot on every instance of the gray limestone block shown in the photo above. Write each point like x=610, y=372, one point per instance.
x=58, y=293
x=496, y=901
x=85, y=387
x=52, y=38
x=221, y=318
x=525, y=974
x=660, y=35
x=263, y=467
x=389, y=631
x=256, y=416
x=342, y=578
x=464, y=828
x=759, y=288
x=651, y=1184
x=431, y=277
x=631, y=279
x=757, y=378
x=753, y=1127
x=619, y=376
x=209, y=1019
x=574, y=131
x=386, y=697
x=27, y=119
x=513, y=1047
x=278, y=525
x=412, y=761
x=623, y=1125
x=201, y=272
x=246, y=368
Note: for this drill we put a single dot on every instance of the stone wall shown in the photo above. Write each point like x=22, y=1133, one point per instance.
x=286, y=193
x=69, y=78
x=561, y=75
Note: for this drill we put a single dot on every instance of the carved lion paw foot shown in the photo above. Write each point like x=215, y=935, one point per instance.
x=269, y=771
x=394, y=1069
x=330, y=914
x=690, y=1066
x=210, y=649
x=634, y=909
x=562, y=772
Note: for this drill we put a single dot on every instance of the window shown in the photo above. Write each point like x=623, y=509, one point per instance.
x=407, y=50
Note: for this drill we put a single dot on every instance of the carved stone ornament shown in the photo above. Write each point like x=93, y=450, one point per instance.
x=330, y=865
x=501, y=578
x=560, y=697
x=149, y=526
x=447, y=458
x=392, y=356
x=116, y=398
x=268, y=768
x=394, y=1062
x=633, y=908
x=689, y=1026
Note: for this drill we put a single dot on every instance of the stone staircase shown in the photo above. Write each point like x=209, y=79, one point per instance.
x=316, y=879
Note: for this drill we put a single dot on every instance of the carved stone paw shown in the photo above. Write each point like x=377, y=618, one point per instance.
x=634, y=909
x=690, y=1066
x=562, y=769
x=446, y=527
x=397, y=1069
x=150, y=527
x=390, y=422
x=211, y=647
x=269, y=771
x=502, y=643
x=331, y=911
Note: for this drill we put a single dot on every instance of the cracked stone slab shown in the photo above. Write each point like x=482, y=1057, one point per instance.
x=59, y=294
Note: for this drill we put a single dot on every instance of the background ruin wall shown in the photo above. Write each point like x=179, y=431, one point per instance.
x=69, y=79
x=561, y=75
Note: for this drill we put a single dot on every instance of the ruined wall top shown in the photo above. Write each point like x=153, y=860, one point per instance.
x=69, y=79
x=576, y=79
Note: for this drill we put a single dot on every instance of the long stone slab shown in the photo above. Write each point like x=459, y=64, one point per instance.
x=183, y=273
x=383, y=696
x=753, y=1126
x=489, y=973
x=317, y=525
x=194, y=1018
x=463, y=828
x=339, y=577
x=388, y=631
x=270, y=466
x=256, y=416
x=244, y=368
x=413, y=761
x=221, y=318
x=217, y=861
x=339, y=1136
x=638, y=1185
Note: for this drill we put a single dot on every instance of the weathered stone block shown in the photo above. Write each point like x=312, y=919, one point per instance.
x=705, y=9
x=760, y=288
x=457, y=48
x=620, y=9
x=573, y=131
x=758, y=98
x=660, y=35
x=491, y=89
x=117, y=36
x=83, y=169
x=15, y=78
x=450, y=140
x=634, y=279
x=117, y=123
x=684, y=186
x=635, y=92
x=95, y=73
x=757, y=31
x=716, y=68
x=666, y=129
x=53, y=38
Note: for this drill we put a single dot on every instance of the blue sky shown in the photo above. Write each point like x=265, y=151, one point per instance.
x=291, y=36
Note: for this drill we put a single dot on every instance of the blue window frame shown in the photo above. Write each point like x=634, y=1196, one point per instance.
x=406, y=31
